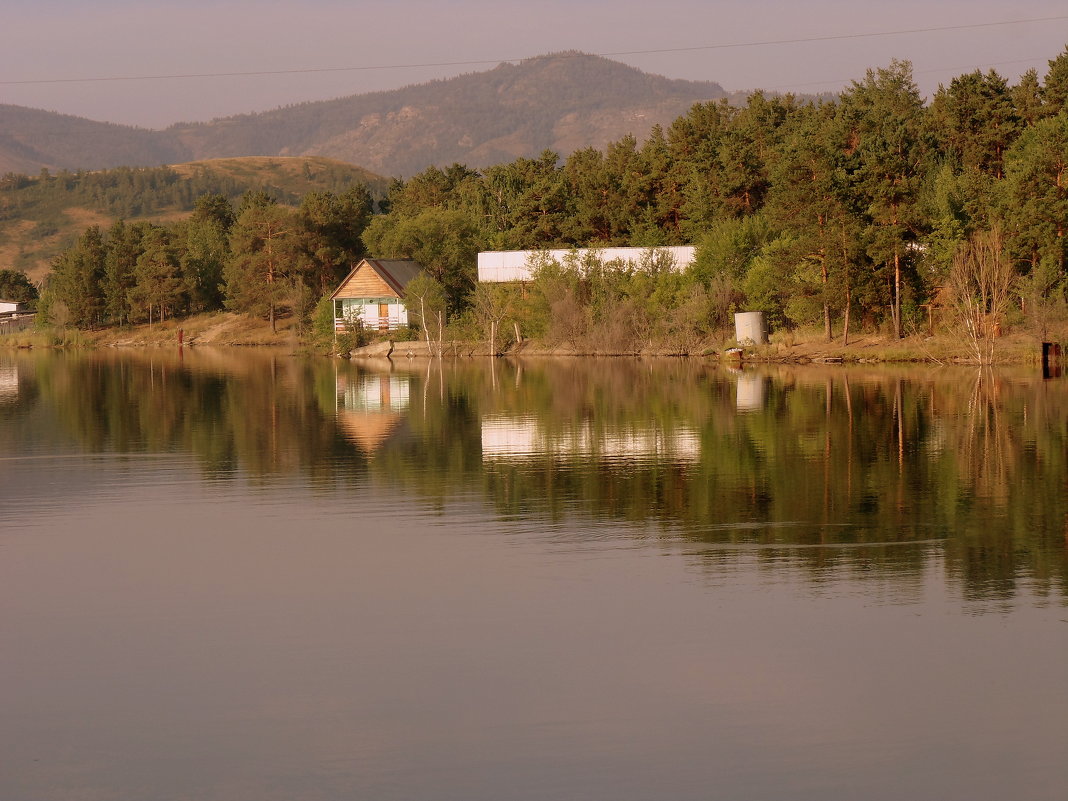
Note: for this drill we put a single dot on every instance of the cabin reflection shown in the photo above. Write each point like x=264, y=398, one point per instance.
x=507, y=438
x=371, y=407
x=9, y=383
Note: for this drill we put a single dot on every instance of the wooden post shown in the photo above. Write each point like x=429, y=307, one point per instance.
x=1051, y=360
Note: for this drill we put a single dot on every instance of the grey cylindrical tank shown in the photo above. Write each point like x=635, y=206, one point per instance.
x=749, y=328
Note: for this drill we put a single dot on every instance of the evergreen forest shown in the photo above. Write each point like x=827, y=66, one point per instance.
x=853, y=214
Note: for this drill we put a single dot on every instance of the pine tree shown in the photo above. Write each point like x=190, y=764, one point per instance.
x=1037, y=173
x=159, y=288
x=123, y=249
x=1055, y=85
x=808, y=200
x=264, y=262
x=975, y=121
x=890, y=150
x=77, y=278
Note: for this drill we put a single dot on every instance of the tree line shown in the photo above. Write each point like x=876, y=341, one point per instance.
x=831, y=213
x=838, y=213
x=258, y=258
x=992, y=457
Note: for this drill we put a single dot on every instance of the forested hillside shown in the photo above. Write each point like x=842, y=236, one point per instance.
x=43, y=214
x=32, y=140
x=865, y=213
x=563, y=102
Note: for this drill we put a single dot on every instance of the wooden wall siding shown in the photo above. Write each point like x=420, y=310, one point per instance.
x=366, y=283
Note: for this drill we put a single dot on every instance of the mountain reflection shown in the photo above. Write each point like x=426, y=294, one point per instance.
x=828, y=469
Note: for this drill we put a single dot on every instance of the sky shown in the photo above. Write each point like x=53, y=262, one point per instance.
x=321, y=49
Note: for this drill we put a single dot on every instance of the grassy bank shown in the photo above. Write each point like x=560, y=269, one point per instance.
x=222, y=328
x=229, y=329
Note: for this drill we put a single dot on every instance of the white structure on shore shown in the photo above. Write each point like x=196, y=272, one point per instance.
x=498, y=266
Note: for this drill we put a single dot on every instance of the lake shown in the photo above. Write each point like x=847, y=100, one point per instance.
x=235, y=574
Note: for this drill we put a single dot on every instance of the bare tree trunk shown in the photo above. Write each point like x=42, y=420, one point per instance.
x=981, y=283
x=826, y=306
x=897, y=294
x=845, y=322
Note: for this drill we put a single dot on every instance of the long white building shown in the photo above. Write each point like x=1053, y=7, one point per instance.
x=497, y=266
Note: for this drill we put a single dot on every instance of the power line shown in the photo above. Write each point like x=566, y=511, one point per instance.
x=783, y=87
x=483, y=62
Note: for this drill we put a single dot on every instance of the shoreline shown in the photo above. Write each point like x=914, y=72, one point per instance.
x=228, y=329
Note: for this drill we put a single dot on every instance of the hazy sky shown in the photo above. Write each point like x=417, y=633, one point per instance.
x=60, y=40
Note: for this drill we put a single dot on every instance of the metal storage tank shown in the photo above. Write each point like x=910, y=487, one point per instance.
x=749, y=328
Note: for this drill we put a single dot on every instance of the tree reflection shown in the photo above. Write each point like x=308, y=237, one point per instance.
x=870, y=471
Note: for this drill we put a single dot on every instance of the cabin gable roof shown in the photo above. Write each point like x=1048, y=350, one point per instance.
x=378, y=277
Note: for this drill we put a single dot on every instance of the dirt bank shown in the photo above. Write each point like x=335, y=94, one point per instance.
x=226, y=328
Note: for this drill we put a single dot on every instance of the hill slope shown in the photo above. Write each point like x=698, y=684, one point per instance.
x=41, y=216
x=564, y=102
x=31, y=139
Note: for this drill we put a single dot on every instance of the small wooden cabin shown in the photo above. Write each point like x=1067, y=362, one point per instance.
x=372, y=295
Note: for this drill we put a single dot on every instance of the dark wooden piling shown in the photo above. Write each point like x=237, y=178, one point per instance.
x=1051, y=360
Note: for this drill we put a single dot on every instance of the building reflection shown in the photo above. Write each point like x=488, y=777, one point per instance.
x=371, y=407
x=506, y=438
x=9, y=383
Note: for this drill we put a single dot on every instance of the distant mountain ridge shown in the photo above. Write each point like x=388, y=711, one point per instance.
x=32, y=140
x=562, y=101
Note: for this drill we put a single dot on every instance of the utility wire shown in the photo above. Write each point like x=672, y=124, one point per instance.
x=483, y=62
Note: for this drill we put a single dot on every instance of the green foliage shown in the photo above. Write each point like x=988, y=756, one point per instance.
x=427, y=303
x=49, y=200
x=609, y=307
x=322, y=324
x=975, y=121
x=729, y=248
x=771, y=284
x=15, y=286
x=76, y=281
x=1038, y=192
x=264, y=262
x=331, y=230
x=852, y=209
x=158, y=291
x=446, y=242
x=885, y=116
x=1055, y=85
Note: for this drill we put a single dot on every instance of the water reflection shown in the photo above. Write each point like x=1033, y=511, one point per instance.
x=752, y=389
x=507, y=438
x=822, y=469
x=9, y=383
x=371, y=406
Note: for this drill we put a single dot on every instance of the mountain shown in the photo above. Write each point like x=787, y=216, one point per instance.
x=32, y=140
x=563, y=101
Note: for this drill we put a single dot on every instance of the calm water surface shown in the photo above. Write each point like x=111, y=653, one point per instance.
x=245, y=576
